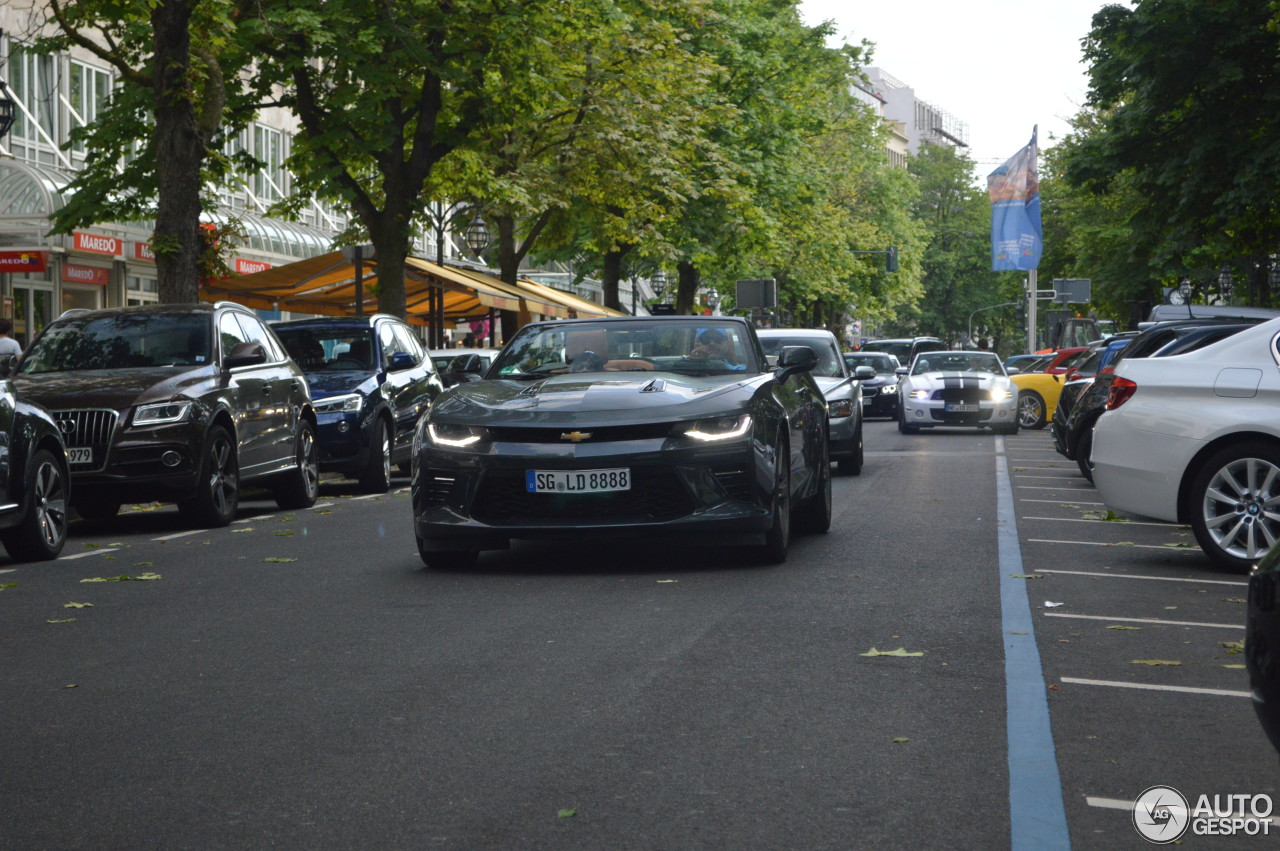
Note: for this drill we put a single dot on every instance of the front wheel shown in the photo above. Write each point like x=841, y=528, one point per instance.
x=902, y=423
x=1235, y=505
x=43, y=530
x=853, y=466
x=218, y=490
x=1031, y=410
x=777, y=540
x=816, y=514
x=1084, y=453
x=301, y=485
x=376, y=477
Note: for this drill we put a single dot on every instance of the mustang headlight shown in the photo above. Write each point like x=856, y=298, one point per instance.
x=454, y=435
x=161, y=414
x=921, y=394
x=346, y=404
x=842, y=408
x=999, y=394
x=720, y=428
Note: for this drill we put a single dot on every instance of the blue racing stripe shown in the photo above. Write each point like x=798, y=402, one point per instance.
x=1037, y=818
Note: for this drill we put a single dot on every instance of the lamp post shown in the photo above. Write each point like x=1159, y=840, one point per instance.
x=1226, y=286
x=1185, y=289
x=659, y=284
x=713, y=302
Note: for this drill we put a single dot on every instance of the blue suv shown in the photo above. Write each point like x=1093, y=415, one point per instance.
x=370, y=380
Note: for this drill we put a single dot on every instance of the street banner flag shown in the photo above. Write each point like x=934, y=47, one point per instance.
x=1016, y=238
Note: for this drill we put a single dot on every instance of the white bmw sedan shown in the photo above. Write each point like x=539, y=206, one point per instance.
x=1195, y=438
x=957, y=389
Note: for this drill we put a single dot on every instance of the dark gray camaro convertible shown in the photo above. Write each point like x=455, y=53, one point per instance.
x=667, y=425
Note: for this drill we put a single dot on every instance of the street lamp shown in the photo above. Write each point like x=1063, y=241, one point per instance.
x=658, y=283
x=477, y=236
x=1226, y=286
x=8, y=110
x=1185, y=289
x=713, y=302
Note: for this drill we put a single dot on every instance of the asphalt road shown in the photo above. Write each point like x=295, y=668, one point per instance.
x=298, y=680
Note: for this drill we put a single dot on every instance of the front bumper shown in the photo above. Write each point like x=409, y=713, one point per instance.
x=478, y=500
x=932, y=412
x=139, y=465
x=343, y=440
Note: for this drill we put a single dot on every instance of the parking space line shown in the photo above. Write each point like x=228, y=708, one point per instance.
x=1156, y=621
x=1243, y=584
x=180, y=534
x=1056, y=478
x=88, y=553
x=1037, y=816
x=1127, y=546
x=1047, y=488
x=1080, y=501
x=1112, y=522
x=1108, y=803
x=1154, y=687
x=9, y=570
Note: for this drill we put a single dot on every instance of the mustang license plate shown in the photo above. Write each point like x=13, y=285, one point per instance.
x=80, y=455
x=577, y=481
x=963, y=409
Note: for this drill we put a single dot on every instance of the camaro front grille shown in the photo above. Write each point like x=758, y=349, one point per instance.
x=91, y=429
x=656, y=495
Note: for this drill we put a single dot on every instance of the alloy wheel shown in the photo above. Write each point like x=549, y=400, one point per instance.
x=1240, y=509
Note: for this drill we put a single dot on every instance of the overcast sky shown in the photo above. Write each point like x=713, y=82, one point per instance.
x=999, y=66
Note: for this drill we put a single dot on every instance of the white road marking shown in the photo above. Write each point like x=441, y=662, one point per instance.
x=181, y=534
x=370, y=496
x=1195, y=550
x=1155, y=578
x=89, y=553
x=1146, y=620
x=9, y=570
x=1047, y=488
x=1127, y=806
x=1150, y=687
x=1117, y=523
x=1079, y=501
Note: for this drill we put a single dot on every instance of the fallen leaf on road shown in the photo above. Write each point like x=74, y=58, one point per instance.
x=278, y=560
x=567, y=813
x=72, y=620
x=284, y=533
x=1107, y=516
x=144, y=564
x=1233, y=666
x=1121, y=544
x=1234, y=646
x=1186, y=544
x=1124, y=627
x=901, y=651
x=1055, y=687
x=4, y=585
x=244, y=530
x=1025, y=576
x=1234, y=600
x=1154, y=662
x=77, y=605
x=900, y=741
x=667, y=581
x=71, y=685
x=1012, y=632
x=141, y=577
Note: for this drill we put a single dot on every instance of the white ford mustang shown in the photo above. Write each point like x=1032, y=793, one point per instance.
x=957, y=389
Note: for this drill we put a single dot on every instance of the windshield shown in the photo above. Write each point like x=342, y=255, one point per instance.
x=830, y=363
x=901, y=349
x=694, y=346
x=881, y=363
x=329, y=349
x=976, y=362
x=121, y=341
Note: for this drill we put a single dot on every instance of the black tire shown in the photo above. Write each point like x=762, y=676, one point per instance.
x=96, y=508
x=376, y=477
x=1084, y=453
x=777, y=540
x=853, y=466
x=815, y=514
x=1227, y=506
x=42, y=532
x=1031, y=410
x=301, y=486
x=217, y=493
x=902, y=423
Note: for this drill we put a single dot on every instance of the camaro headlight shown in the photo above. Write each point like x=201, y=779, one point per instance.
x=720, y=428
x=457, y=436
x=920, y=394
x=889, y=389
x=842, y=408
x=346, y=404
x=165, y=412
x=999, y=394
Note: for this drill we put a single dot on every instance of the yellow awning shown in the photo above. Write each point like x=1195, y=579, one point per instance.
x=581, y=307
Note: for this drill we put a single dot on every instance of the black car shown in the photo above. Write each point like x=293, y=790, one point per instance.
x=905, y=349
x=648, y=427
x=1262, y=643
x=1074, y=436
x=175, y=403
x=34, y=480
x=879, y=394
x=370, y=380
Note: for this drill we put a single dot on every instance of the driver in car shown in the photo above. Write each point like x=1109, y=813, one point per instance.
x=712, y=344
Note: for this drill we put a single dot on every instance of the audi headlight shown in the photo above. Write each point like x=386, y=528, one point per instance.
x=454, y=435
x=720, y=428
x=842, y=408
x=349, y=403
x=999, y=394
x=161, y=414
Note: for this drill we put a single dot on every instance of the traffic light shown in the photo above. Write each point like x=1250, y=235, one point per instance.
x=891, y=259
x=1022, y=310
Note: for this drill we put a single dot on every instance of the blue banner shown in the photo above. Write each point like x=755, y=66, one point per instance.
x=1016, y=238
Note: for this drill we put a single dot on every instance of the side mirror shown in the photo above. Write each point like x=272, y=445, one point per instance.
x=795, y=359
x=245, y=354
x=8, y=365
x=1013, y=370
x=402, y=361
x=864, y=373
x=466, y=368
x=902, y=370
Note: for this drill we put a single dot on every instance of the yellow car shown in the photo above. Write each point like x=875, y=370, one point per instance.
x=1038, y=394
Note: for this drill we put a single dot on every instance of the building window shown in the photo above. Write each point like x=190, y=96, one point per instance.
x=90, y=90
x=141, y=289
x=268, y=147
x=31, y=79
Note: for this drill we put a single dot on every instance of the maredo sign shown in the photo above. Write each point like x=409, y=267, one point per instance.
x=23, y=261
x=248, y=267
x=95, y=244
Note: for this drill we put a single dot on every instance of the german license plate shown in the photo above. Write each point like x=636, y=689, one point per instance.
x=963, y=409
x=80, y=455
x=578, y=481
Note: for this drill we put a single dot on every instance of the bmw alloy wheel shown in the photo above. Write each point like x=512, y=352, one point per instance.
x=1236, y=505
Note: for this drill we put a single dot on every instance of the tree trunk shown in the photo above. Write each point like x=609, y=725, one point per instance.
x=508, y=252
x=687, y=287
x=179, y=154
x=612, y=274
